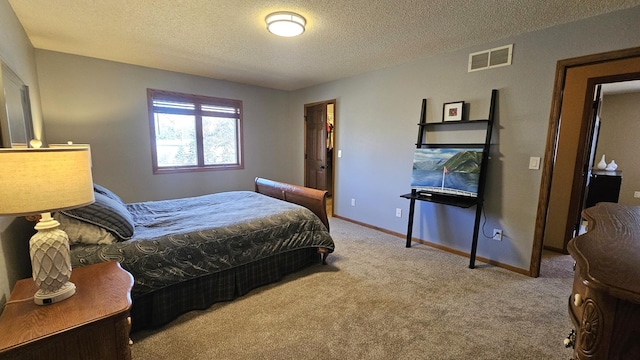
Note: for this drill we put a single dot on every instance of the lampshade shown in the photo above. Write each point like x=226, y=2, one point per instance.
x=35, y=181
x=284, y=23
x=69, y=145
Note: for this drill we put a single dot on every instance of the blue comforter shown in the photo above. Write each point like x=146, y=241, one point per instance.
x=176, y=240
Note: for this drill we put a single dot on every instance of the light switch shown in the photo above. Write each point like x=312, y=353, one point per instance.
x=534, y=163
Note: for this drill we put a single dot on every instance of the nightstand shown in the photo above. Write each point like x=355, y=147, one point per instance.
x=92, y=324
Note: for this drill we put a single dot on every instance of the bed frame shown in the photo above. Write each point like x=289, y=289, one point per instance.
x=161, y=306
x=313, y=199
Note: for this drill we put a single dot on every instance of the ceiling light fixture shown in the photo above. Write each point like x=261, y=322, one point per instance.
x=284, y=23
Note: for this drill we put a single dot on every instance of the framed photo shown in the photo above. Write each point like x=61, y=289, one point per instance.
x=453, y=111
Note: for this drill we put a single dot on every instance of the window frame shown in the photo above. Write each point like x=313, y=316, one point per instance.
x=154, y=94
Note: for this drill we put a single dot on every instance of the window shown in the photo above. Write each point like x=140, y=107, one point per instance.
x=194, y=133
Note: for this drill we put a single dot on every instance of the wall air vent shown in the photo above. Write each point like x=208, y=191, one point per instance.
x=487, y=59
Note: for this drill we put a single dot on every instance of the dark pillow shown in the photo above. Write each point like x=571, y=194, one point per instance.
x=106, y=213
x=106, y=192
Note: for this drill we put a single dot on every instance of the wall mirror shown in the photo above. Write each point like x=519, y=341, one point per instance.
x=16, y=128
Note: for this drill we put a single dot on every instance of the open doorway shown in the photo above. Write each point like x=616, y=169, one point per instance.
x=567, y=149
x=613, y=173
x=320, y=137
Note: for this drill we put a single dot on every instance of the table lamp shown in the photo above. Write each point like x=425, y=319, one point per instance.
x=40, y=181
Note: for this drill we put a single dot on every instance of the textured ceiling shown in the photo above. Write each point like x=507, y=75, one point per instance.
x=228, y=39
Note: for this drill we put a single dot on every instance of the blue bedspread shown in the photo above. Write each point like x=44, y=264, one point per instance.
x=176, y=240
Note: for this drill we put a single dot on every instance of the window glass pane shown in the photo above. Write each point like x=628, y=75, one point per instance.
x=194, y=132
x=176, y=140
x=220, y=141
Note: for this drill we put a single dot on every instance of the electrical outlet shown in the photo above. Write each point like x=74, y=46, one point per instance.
x=636, y=194
x=497, y=234
x=398, y=212
x=353, y=202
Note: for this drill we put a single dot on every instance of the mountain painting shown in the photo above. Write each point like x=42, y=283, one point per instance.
x=447, y=170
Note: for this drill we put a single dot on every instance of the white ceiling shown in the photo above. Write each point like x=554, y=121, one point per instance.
x=227, y=39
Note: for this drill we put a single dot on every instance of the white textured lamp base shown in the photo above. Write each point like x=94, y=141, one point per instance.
x=45, y=298
x=50, y=262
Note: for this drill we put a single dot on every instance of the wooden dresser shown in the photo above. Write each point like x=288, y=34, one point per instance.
x=605, y=304
x=92, y=324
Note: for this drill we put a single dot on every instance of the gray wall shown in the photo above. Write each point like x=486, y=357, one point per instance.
x=376, y=130
x=618, y=140
x=16, y=51
x=104, y=104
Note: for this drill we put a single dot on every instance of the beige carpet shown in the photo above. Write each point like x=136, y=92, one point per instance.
x=379, y=300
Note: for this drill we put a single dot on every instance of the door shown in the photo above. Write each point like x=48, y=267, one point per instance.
x=572, y=96
x=594, y=128
x=316, y=146
x=573, y=144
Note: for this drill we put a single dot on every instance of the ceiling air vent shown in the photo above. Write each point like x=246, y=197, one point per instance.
x=487, y=59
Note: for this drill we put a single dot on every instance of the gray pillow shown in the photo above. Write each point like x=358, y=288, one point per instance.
x=106, y=192
x=106, y=213
x=80, y=232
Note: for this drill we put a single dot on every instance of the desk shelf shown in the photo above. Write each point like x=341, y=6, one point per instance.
x=463, y=202
x=453, y=200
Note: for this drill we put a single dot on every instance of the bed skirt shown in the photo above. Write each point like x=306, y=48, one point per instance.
x=161, y=306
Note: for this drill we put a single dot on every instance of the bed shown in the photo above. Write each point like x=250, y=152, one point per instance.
x=186, y=254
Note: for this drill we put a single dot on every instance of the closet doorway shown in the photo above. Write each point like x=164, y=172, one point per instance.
x=567, y=149
x=319, y=140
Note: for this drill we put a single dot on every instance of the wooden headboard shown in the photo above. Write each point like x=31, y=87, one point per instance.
x=313, y=199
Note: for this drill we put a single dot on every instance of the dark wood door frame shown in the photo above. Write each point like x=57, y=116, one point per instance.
x=331, y=178
x=315, y=155
x=553, y=134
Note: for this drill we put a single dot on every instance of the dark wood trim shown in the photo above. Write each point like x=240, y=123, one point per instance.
x=333, y=102
x=198, y=113
x=438, y=246
x=552, y=133
x=556, y=250
x=369, y=226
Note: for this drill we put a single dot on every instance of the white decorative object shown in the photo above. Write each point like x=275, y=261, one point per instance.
x=602, y=164
x=612, y=166
x=51, y=263
x=41, y=181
